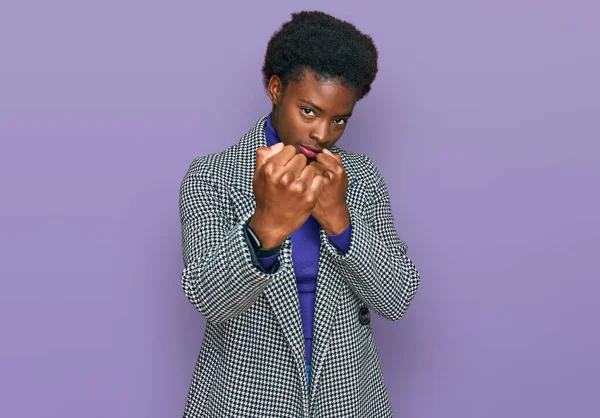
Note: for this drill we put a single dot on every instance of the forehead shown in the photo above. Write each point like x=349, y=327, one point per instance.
x=330, y=96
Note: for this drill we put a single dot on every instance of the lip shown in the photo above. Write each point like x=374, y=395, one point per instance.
x=314, y=149
x=309, y=151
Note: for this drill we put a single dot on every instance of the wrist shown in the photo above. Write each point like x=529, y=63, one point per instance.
x=264, y=233
x=337, y=222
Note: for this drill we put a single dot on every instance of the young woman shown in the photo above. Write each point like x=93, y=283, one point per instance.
x=289, y=243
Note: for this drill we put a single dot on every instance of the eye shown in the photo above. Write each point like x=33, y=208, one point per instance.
x=340, y=121
x=307, y=111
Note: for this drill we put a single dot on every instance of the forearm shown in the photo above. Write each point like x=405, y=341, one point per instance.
x=219, y=277
x=223, y=283
x=377, y=269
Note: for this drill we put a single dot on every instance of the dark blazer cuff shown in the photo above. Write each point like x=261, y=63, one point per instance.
x=256, y=261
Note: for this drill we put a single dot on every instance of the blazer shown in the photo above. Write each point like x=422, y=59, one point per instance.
x=252, y=358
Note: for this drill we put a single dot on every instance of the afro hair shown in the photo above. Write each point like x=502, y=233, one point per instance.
x=331, y=48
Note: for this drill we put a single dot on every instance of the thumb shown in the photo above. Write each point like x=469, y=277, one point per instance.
x=264, y=153
x=338, y=157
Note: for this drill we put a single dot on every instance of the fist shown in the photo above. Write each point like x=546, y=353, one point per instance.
x=286, y=190
x=330, y=210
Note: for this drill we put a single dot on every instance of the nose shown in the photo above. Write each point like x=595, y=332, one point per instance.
x=320, y=132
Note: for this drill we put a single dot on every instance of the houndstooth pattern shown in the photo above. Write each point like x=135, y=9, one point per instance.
x=252, y=359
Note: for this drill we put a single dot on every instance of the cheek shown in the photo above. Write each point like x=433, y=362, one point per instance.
x=336, y=134
x=296, y=125
x=336, y=131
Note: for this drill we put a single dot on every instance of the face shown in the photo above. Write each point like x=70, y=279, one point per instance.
x=310, y=114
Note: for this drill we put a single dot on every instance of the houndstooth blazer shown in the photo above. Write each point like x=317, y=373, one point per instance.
x=252, y=359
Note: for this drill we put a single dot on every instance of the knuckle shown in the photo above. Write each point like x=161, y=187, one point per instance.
x=297, y=187
x=311, y=199
x=269, y=169
x=286, y=179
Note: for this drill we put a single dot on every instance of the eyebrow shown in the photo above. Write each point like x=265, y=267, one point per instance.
x=319, y=109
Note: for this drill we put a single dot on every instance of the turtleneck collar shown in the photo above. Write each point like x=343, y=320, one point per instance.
x=271, y=133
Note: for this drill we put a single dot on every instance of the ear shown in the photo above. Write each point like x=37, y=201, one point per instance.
x=275, y=89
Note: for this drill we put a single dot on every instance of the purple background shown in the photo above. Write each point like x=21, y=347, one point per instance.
x=484, y=119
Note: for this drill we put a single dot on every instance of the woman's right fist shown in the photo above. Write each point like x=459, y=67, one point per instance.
x=286, y=190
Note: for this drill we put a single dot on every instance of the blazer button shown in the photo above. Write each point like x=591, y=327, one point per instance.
x=363, y=316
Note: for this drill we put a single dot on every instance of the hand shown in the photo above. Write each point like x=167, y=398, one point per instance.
x=330, y=210
x=286, y=190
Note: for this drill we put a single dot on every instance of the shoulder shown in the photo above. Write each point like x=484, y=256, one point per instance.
x=361, y=168
x=216, y=168
x=234, y=165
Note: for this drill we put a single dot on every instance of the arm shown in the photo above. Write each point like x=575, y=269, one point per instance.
x=342, y=241
x=219, y=277
x=376, y=266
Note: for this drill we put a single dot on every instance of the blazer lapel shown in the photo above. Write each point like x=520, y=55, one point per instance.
x=283, y=297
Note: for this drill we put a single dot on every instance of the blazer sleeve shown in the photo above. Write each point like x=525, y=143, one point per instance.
x=376, y=266
x=219, y=276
